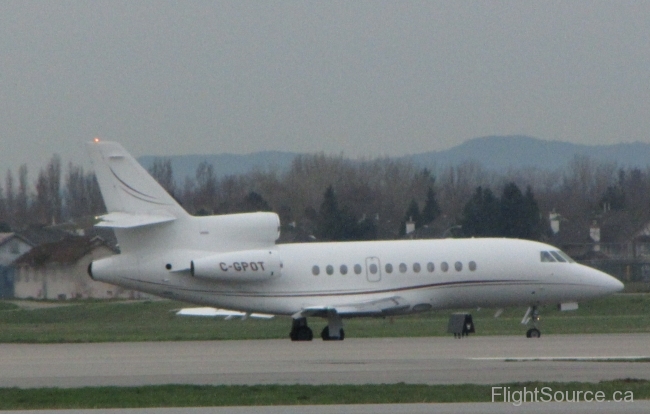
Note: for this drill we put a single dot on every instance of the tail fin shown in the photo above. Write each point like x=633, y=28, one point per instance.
x=132, y=197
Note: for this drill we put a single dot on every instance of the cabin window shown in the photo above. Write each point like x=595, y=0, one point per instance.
x=458, y=266
x=402, y=267
x=344, y=270
x=431, y=267
x=315, y=270
x=373, y=268
x=389, y=268
x=357, y=269
x=416, y=267
x=546, y=257
x=444, y=266
x=329, y=269
x=472, y=266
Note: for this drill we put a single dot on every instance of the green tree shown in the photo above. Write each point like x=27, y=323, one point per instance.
x=431, y=209
x=366, y=229
x=329, y=225
x=512, y=212
x=519, y=214
x=334, y=223
x=532, y=216
x=481, y=215
x=255, y=202
x=613, y=199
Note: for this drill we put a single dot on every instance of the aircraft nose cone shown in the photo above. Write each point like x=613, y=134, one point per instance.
x=610, y=283
x=615, y=285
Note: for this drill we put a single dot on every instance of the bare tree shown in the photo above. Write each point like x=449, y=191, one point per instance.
x=10, y=197
x=22, y=201
x=54, y=188
x=206, y=191
x=162, y=171
x=48, y=203
x=76, y=197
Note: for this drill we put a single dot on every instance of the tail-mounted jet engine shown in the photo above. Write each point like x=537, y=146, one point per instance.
x=240, y=266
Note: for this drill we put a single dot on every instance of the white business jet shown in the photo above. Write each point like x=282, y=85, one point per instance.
x=232, y=262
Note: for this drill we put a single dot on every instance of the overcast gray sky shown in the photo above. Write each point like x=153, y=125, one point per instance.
x=353, y=77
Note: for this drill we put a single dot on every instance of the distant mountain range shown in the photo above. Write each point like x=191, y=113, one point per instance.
x=494, y=153
x=517, y=151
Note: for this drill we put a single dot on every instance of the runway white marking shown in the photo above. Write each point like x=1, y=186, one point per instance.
x=569, y=358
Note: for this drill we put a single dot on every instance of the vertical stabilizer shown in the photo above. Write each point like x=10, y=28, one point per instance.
x=132, y=197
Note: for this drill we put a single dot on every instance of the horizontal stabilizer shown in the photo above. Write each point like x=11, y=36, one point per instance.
x=380, y=307
x=223, y=313
x=128, y=220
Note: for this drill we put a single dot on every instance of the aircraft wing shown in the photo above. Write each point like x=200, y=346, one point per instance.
x=129, y=220
x=379, y=307
x=221, y=313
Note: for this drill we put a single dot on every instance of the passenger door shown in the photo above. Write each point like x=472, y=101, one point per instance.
x=373, y=269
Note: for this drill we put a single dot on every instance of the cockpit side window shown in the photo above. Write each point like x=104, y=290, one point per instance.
x=558, y=257
x=566, y=256
x=546, y=257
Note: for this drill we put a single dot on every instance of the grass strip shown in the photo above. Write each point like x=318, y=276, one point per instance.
x=112, y=321
x=240, y=395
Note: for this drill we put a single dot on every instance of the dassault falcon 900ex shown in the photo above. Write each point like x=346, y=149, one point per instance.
x=232, y=261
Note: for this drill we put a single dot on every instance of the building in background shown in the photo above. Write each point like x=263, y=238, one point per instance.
x=58, y=270
x=12, y=246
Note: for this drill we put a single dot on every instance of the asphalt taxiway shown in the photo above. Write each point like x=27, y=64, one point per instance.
x=437, y=360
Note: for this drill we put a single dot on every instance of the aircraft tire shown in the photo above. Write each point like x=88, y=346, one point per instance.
x=303, y=333
x=325, y=334
x=533, y=333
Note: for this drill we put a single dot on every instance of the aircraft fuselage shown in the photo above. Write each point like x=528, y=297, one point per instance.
x=428, y=274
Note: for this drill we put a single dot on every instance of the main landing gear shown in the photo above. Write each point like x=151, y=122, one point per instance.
x=532, y=315
x=334, y=329
x=332, y=332
x=300, y=331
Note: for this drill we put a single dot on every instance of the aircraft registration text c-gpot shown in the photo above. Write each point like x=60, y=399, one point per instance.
x=242, y=266
x=233, y=262
x=247, y=266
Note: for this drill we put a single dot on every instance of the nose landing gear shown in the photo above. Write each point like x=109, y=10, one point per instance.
x=532, y=315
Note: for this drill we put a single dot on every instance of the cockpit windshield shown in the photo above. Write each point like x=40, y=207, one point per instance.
x=555, y=256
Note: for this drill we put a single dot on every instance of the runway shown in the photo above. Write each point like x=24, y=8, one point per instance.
x=439, y=360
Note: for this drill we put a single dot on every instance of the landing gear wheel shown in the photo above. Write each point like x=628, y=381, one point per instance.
x=300, y=331
x=325, y=334
x=303, y=333
x=533, y=333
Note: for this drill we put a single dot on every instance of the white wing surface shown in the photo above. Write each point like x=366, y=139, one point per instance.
x=380, y=307
x=221, y=313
